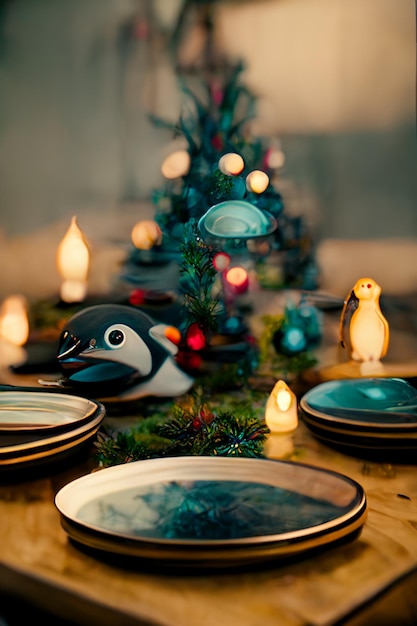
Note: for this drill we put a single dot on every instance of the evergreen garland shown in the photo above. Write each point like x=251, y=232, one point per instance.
x=187, y=430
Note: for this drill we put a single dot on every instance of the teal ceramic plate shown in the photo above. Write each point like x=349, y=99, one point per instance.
x=196, y=512
x=365, y=416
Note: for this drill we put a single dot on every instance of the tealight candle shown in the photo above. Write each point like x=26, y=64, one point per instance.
x=257, y=181
x=281, y=412
x=237, y=279
x=281, y=417
x=14, y=330
x=73, y=257
x=14, y=322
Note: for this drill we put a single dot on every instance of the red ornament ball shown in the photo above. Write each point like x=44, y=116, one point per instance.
x=195, y=337
x=137, y=297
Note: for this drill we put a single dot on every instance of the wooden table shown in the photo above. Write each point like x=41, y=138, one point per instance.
x=369, y=581
x=38, y=563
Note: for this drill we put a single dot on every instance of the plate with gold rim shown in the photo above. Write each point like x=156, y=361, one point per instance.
x=42, y=427
x=44, y=413
x=210, y=512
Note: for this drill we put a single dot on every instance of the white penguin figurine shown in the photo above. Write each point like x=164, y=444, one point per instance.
x=364, y=331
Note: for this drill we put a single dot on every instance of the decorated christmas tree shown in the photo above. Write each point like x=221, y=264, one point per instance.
x=221, y=162
x=219, y=220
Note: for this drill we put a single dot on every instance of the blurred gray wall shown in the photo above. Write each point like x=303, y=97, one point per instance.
x=335, y=81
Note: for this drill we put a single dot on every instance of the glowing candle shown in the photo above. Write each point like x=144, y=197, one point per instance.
x=257, y=181
x=237, y=279
x=14, y=322
x=146, y=234
x=176, y=164
x=231, y=164
x=73, y=257
x=364, y=331
x=281, y=413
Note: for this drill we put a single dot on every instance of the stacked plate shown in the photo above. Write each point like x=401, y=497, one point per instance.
x=41, y=427
x=366, y=417
x=210, y=512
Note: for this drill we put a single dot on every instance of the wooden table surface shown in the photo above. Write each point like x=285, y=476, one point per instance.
x=38, y=562
x=357, y=583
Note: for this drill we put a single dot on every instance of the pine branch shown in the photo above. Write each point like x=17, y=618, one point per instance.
x=191, y=429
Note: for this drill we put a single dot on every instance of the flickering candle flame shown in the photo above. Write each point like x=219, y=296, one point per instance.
x=146, y=234
x=73, y=257
x=281, y=413
x=231, y=164
x=176, y=164
x=14, y=322
x=284, y=399
x=257, y=181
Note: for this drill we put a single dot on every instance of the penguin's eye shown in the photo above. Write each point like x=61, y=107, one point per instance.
x=115, y=337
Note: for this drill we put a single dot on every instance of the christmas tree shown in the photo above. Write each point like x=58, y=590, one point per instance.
x=221, y=162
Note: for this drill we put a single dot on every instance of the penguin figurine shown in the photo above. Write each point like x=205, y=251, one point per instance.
x=115, y=352
x=364, y=331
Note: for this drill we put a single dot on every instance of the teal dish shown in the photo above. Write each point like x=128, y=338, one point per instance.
x=365, y=417
x=236, y=219
x=210, y=512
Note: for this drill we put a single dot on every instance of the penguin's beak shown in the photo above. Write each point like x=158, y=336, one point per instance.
x=69, y=346
x=71, y=352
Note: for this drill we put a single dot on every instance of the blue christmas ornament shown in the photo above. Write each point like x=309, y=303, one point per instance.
x=301, y=329
x=290, y=340
x=117, y=352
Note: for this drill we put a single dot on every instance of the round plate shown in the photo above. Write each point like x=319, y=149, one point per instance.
x=42, y=413
x=364, y=415
x=73, y=421
x=196, y=512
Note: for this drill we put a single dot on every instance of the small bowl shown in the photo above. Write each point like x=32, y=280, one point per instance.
x=237, y=219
